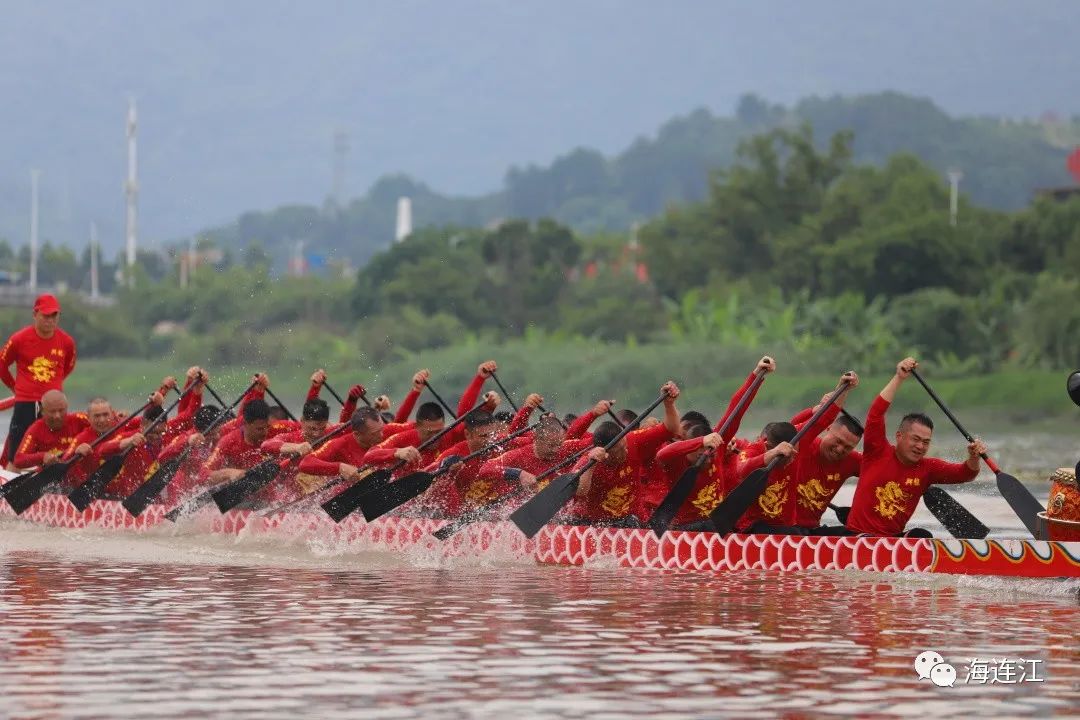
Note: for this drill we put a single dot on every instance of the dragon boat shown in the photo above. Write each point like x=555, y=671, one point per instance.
x=578, y=545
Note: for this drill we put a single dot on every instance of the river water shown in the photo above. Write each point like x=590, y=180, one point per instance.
x=177, y=624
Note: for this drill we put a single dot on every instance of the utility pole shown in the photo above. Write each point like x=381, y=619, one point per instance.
x=131, y=190
x=341, y=152
x=955, y=176
x=35, y=175
x=403, y=228
x=93, y=261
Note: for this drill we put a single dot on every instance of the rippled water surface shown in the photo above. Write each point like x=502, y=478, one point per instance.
x=98, y=625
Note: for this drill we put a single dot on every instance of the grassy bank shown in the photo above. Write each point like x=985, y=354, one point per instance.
x=573, y=374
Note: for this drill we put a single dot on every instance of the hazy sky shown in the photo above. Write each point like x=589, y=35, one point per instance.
x=239, y=100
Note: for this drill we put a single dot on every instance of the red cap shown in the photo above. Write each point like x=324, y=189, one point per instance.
x=47, y=304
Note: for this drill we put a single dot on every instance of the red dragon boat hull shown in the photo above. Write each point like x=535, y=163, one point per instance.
x=577, y=545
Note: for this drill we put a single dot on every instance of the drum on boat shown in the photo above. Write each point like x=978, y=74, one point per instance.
x=1063, y=506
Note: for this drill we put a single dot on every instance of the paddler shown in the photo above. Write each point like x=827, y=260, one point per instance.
x=51, y=438
x=831, y=460
x=608, y=493
x=894, y=477
x=43, y=355
x=344, y=456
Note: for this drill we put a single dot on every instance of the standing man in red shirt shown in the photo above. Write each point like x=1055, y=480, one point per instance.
x=44, y=355
x=894, y=478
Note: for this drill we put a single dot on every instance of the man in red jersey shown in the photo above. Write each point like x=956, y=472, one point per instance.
x=774, y=510
x=44, y=355
x=459, y=489
x=51, y=437
x=430, y=420
x=240, y=450
x=608, y=493
x=343, y=456
x=894, y=478
x=831, y=460
x=550, y=446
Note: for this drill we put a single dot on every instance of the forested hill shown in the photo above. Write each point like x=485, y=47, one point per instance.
x=1003, y=162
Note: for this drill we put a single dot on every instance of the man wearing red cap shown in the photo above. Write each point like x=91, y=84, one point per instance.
x=43, y=355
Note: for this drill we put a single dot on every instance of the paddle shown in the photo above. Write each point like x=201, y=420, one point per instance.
x=95, y=485
x=504, y=392
x=841, y=513
x=138, y=501
x=232, y=494
x=1019, y=498
x=29, y=490
x=957, y=519
x=347, y=501
x=439, y=398
x=280, y=405
x=739, y=500
x=541, y=507
x=383, y=499
x=669, y=507
x=338, y=397
x=482, y=513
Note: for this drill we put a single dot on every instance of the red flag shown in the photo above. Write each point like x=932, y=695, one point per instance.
x=1073, y=163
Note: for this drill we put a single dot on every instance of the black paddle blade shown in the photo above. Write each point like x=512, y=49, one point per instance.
x=22, y=497
x=669, y=507
x=956, y=518
x=382, y=500
x=487, y=512
x=739, y=501
x=93, y=486
x=138, y=501
x=229, y=496
x=841, y=513
x=189, y=506
x=345, y=502
x=544, y=505
x=16, y=482
x=1023, y=503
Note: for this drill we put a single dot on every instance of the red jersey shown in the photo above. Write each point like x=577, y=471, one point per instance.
x=614, y=491
x=818, y=482
x=888, y=490
x=524, y=458
x=235, y=452
x=713, y=482
x=776, y=504
x=326, y=460
x=40, y=364
x=39, y=439
x=190, y=474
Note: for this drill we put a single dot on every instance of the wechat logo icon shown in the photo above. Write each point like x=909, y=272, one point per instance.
x=929, y=665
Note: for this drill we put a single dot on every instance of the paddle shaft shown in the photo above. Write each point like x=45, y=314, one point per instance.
x=280, y=404
x=739, y=500
x=92, y=487
x=505, y=392
x=673, y=501
x=963, y=431
x=439, y=399
x=333, y=394
x=488, y=448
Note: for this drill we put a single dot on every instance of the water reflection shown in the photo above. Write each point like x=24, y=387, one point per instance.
x=86, y=637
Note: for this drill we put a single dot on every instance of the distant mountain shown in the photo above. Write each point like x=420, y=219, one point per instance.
x=1003, y=163
x=239, y=101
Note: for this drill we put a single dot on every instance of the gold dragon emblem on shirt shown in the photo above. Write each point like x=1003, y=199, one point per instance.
x=813, y=495
x=707, y=499
x=772, y=500
x=891, y=499
x=617, y=501
x=42, y=369
x=480, y=492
